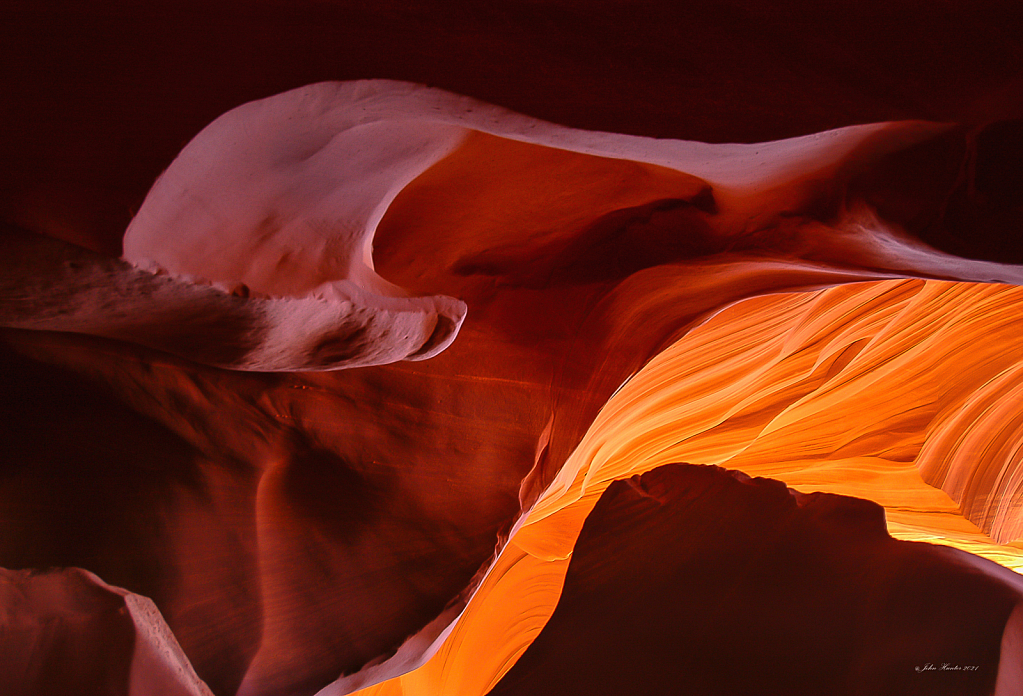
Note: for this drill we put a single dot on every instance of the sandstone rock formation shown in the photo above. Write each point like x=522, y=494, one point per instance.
x=388, y=384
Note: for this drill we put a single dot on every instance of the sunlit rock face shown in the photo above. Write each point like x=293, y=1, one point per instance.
x=700, y=580
x=375, y=351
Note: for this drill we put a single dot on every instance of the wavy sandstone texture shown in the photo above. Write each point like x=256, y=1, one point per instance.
x=594, y=307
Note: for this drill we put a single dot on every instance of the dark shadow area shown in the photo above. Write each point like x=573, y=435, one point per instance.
x=83, y=478
x=611, y=248
x=701, y=581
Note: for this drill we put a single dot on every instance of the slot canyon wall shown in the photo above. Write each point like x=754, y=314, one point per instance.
x=423, y=348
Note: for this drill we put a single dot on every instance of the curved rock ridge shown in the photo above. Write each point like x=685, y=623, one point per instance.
x=52, y=286
x=282, y=197
x=285, y=193
x=622, y=303
x=67, y=631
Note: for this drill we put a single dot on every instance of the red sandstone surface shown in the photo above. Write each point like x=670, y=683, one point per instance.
x=384, y=391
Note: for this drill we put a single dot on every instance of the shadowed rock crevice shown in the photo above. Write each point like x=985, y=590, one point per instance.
x=701, y=581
